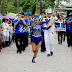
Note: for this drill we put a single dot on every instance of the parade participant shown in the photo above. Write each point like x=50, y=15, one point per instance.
x=64, y=18
x=48, y=34
x=67, y=30
x=70, y=30
x=43, y=49
x=60, y=33
x=26, y=19
x=36, y=38
x=0, y=33
x=19, y=32
x=6, y=32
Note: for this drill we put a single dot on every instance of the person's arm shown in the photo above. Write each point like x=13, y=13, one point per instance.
x=16, y=22
x=69, y=22
x=10, y=33
x=24, y=23
x=29, y=36
x=46, y=28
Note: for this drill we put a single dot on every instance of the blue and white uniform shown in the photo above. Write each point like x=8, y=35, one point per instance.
x=36, y=33
x=48, y=35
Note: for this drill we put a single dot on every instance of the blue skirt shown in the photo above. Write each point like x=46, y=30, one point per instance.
x=36, y=40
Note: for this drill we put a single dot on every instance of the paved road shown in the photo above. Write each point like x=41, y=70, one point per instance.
x=61, y=61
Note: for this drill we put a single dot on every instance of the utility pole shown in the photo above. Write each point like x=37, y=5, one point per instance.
x=40, y=5
x=17, y=6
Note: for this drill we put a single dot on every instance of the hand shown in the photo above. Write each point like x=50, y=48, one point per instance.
x=28, y=24
x=22, y=19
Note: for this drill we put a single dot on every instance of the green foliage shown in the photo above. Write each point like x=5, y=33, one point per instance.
x=26, y=5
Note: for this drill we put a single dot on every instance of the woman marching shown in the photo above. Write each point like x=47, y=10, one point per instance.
x=36, y=37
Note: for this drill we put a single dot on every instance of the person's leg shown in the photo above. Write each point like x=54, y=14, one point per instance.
x=8, y=40
x=37, y=48
x=25, y=38
x=34, y=50
x=71, y=39
x=43, y=44
x=61, y=37
x=47, y=43
x=58, y=37
x=51, y=43
x=43, y=49
x=17, y=42
x=64, y=35
x=0, y=45
x=69, y=43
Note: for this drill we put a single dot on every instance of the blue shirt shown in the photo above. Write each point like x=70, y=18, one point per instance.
x=20, y=27
x=44, y=22
x=41, y=24
x=67, y=25
x=70, y=25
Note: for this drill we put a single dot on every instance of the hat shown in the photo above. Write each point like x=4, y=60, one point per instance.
x=49, y=10
x=28, y=14
x=36, y=16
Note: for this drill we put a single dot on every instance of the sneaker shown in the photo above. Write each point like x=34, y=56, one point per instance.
x=48, y=55
x=33, y=61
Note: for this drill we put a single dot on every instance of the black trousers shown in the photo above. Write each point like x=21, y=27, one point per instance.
x=20, y=41
x=60, y=34
x=68, y=36
x=26, y=39
x=70, y=40
x=64, y=33
x=43, y=43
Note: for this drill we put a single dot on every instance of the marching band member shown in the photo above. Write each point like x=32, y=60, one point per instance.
x=26, y=19
x=49, y=34
x=67, y=30
x=64, y=18
x=36, y=37
x=19, y=32
x=43, y=49
x=70, y=30
x=60, y=33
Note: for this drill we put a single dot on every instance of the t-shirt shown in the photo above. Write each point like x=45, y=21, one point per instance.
x=67, y=25
x=27, y=21
x=70, y=24
x=20, y=27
